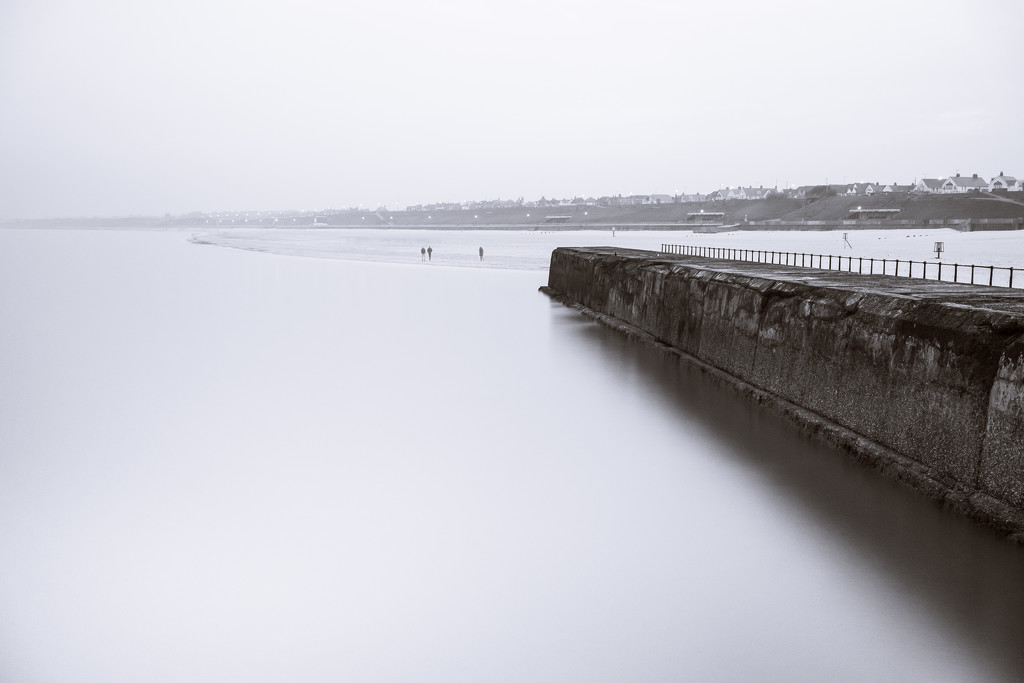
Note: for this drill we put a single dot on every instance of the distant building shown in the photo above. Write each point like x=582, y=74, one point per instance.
x=928, y=185
x=1003, y=182
x=741, y=193
x=658, y=199
x=705, y=217
x=861, y=189
x=869, y=214
x=893, y=187
x=760, y=192
x=959, y=184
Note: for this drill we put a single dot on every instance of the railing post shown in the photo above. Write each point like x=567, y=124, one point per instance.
x=830, y=261
x=956, y=271
x=860, y=266
x=1011, y=276
x=972, y=273
x=940, y=271
x=896, y=273
x=991, y=270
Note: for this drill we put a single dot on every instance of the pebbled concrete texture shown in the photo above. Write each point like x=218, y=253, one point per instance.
x=928, y=376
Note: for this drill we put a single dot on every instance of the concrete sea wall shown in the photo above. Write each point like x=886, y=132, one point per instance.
x=924, y=380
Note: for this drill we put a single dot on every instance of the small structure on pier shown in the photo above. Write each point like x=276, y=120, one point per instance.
x=871, y=214
x=702, y=217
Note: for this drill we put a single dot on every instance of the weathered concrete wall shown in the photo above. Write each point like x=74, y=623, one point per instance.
x=929, y=376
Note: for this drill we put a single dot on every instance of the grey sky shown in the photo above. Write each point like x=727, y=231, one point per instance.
x=112, y=107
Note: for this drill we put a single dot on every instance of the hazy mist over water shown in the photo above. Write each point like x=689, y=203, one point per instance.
x=219, y=465
x=115, y=107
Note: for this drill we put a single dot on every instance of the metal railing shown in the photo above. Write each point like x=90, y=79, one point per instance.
x=928, y=270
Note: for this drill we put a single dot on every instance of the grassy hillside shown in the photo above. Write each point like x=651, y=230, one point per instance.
x=914, y=207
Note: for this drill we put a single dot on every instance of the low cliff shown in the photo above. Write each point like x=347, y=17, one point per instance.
x=925, y=379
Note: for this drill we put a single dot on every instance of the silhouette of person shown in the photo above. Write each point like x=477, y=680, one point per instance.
x=423, y=254
x=430, y=253
x=481, y=253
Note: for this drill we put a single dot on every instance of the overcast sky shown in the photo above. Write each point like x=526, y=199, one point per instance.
x=114, y=107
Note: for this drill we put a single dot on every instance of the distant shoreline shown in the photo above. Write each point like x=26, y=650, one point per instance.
x=973, y=211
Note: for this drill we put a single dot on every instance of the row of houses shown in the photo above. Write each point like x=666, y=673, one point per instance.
x=545, y=203
x=960, y=184
x=951, y=185
x=956, y=184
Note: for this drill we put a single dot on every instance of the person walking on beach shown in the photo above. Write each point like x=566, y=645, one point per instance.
x=430, y=253
x=481, y=253
x=423, y=253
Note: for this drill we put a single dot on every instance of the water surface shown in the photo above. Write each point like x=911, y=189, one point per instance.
x=224, y=465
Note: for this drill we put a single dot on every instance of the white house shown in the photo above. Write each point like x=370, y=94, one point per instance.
x=959, y=184
x=862, y=189
x=1002, y=182
x=659, y=199
x=928, y=185
x=894, y=187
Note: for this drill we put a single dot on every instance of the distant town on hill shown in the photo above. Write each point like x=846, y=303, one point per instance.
x=956, y=184
x=964, y=202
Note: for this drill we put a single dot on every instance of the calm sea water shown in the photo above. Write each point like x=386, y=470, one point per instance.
x=221, y=465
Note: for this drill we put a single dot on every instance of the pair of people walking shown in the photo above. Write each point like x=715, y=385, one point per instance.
x=426, y=253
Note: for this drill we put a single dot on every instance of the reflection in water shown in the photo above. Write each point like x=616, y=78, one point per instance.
x=965, y=577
